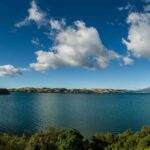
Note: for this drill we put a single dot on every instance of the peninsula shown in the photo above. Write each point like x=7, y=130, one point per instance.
x=4, y=92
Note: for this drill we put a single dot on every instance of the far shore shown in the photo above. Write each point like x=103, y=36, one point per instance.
x=70, y=91
x=65, y=90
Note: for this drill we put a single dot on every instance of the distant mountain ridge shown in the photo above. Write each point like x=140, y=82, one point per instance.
x=146, y=90
x=65, y=90
x=74, y=91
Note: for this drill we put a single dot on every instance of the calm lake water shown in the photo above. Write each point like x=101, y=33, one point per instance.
x=90, y=113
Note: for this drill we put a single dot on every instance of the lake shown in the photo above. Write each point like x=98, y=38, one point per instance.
x=90, y=113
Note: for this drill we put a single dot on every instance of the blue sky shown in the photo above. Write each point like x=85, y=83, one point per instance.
x=75, y=44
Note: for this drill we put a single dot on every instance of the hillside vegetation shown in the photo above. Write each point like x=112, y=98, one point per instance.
x=71, y=139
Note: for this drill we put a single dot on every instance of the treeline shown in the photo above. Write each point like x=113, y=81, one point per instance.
x=71, y=139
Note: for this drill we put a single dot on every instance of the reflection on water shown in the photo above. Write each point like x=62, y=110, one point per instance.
x=90, y=113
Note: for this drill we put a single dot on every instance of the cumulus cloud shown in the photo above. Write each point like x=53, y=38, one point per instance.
x=35, y=14
x=127, y=60
x=10, y=71
x=138, y=41
x=74, y=46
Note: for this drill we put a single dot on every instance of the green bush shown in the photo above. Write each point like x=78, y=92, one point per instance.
x=43, y=141
x=70, y=139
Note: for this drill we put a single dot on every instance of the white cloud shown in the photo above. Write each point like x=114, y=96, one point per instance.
x=127, y=7
x=74, y=46
x=56, y=24
x=138, y=42
x=127, y=60
x=34, y=14
x=36, y=42
x=146, y=1
x=10, y=71
x=147, y=8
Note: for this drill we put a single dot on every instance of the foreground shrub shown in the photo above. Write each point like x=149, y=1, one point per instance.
x=12, y=142
x=71, y=139
x=43, y=141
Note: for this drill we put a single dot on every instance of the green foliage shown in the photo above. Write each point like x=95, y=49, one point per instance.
x=144, y=142
x=43, y=141
x=100, y=141
x=71, y=139
x=12, y=142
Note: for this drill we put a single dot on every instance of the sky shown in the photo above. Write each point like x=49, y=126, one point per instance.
x=75, y=44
